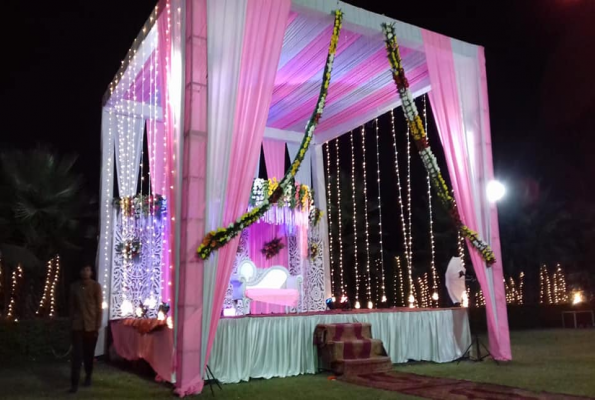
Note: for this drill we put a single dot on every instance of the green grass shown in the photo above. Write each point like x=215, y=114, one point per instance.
x=559, y=361
x=554, y=361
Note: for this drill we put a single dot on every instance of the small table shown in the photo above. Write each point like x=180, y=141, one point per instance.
x=574, y=314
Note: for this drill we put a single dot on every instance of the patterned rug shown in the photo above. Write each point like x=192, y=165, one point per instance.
x=448, y=389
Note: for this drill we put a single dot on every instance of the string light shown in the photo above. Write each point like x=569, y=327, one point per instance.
x=402, y=206
x=339, y=218
x=54, y=284
x=435, y=281
x=401, y=287
x=562, y=295
x=353, y=200
x=368, y=280
x=542, y=298
x=521, y=288
x=330, y=220
x=17, y=276
x=548, y=286
x=46, y=286
x=383, y=284
x=409, y=210
x=461, y=245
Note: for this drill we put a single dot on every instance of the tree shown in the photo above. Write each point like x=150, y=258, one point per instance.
x=43, y=209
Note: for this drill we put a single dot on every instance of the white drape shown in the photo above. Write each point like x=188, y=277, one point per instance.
x=271, y=347
x=224, y=47
x=304, y=174
x=105, y=216
x=129, y=139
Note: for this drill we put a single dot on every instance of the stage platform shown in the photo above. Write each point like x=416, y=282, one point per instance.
x=282, y=345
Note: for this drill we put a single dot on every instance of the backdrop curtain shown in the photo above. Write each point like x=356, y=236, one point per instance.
x=261, y=40
x=129, y=139
x=462, y=126
x=274, y=158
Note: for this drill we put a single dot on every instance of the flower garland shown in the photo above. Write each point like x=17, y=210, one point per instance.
x=219, y=238
x=418, y=132
x=314, y=251
x=295, y=196
x=315, y=216
x=272, y=248
x=154, y=205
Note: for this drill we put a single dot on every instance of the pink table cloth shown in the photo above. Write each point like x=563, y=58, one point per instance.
x=154, y=347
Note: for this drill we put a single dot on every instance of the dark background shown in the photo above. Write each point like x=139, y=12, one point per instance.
x=58, y=58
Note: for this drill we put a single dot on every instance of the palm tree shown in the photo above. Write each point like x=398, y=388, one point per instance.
x=43, y=210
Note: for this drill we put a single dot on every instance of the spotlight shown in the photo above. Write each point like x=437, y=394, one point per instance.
x=495, y=191
x=577, y=297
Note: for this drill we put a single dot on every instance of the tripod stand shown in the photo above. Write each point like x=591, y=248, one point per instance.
x=476, y=344
x=211, y=379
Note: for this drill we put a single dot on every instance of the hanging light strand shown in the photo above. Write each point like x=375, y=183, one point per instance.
x=330, y=220
x=367, y=226
x=54, y=285
x=339, y=218
x=409, y=210
x=383, y=284
x=46, y=286
x=435, y=279
x=353, y=200
x=17, y=277
x=402, y=207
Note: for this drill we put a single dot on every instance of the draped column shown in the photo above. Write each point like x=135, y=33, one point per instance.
x=319, y=186
x=463, y=125
x=262, y=38
x=106, y=219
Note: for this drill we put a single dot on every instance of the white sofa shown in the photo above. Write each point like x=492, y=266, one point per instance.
x=250, y=281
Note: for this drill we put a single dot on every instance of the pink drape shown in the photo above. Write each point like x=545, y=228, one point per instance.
x=448, y=113
x=260, y=233
x=154, y=348
x=274, y=158
x=165, y=47
x=265, y=25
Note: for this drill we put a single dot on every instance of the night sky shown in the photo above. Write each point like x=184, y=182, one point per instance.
x=60, y=56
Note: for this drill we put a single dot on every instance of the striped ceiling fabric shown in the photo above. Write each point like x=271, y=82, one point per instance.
x=361, y=86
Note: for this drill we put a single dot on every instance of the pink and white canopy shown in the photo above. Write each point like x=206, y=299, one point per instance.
x=248, y=70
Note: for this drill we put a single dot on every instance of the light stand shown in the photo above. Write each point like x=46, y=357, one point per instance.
x=476, y=341
x=211, y=379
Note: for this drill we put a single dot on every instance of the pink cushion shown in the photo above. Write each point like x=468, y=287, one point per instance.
x=282, y=297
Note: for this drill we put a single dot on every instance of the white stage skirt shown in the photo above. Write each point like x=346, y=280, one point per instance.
x=282, y=346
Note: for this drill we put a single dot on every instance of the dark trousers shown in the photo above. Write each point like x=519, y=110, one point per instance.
x=83, y=351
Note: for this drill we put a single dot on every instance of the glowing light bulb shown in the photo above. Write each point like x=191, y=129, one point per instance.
x=577, y=298
x=104, y=305
x=126, y=307
x=357, y=305
x=139, y=312
x=160, y=316
x=170, y=323
x=370, y=305
x=384, y=298
x=465, y=299
x=495, y=191
x=435, y=296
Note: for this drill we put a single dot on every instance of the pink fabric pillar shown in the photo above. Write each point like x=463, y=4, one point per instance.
x=274, y=158
x=190, y=307
x=448, y=113
x=265, y=25
x=499, y=293
x=260, y=233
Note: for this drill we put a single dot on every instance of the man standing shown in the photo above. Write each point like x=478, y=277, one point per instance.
x=85, y=313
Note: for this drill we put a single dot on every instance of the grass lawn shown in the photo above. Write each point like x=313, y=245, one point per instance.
x=555, y=361
x=559, y=361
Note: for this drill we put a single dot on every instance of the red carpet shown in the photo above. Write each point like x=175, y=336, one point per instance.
x=448, y=389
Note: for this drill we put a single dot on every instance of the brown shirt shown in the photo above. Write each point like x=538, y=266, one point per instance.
x=85, y=306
